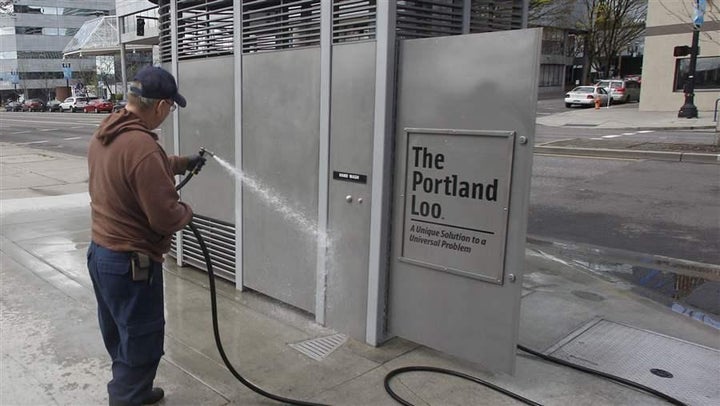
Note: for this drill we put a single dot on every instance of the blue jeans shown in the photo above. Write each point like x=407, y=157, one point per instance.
x=132, y=322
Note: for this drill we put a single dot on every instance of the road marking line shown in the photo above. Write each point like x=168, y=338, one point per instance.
x=570, y=155
x=646, y=131
x=611, y=136
x=600, y=139
x=32, y=142
x=22, y=132
x=50, y=129
x=72, y=138
x=629, y=133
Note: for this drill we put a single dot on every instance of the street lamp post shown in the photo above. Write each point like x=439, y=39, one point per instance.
x=689, y=110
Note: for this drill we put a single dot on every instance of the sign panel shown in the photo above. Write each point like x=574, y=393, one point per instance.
x=457, y=194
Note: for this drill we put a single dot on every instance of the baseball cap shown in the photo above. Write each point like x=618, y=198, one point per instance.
x=157, y=83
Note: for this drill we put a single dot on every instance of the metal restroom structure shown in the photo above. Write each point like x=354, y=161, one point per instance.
x=340, y=110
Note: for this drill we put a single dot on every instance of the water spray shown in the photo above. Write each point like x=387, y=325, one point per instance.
x=301, y=221
x=213, y=306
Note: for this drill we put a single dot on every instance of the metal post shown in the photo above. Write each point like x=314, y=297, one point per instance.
x=383, y=136
x=326, y=17
x=123, y=66
x=688, y=110
x=238, y=82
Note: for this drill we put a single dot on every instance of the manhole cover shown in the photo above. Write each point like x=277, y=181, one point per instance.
x=645, y=357
x=319, y=348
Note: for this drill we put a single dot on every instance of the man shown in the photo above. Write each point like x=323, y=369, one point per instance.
x=135, y=211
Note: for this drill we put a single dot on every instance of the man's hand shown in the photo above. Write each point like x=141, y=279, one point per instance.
x=195, y=163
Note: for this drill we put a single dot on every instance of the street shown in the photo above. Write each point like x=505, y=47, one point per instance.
x=63, y=132
x=651, y=207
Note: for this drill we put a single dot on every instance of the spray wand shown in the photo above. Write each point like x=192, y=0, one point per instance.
x=195, y=169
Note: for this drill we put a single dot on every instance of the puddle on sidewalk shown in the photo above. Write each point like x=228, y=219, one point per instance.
x=689, y=288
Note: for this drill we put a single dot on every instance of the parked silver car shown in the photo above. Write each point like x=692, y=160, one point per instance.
x=621, y=90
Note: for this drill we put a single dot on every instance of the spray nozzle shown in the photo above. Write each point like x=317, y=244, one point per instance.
x=204, y=151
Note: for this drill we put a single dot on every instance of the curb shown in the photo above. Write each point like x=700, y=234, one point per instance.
x=631, y=154
x=656, y=128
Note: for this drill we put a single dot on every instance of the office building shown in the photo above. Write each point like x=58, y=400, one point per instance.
x=33, y=34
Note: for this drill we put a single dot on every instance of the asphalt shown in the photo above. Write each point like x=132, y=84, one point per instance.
x=52, y=353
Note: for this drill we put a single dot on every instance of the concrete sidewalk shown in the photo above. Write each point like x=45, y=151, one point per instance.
x=52, y=353
x=627, y=116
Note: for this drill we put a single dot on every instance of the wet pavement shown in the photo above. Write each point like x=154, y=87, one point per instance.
x=52, y=352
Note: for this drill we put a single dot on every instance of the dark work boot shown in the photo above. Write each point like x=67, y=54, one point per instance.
x=154, y=396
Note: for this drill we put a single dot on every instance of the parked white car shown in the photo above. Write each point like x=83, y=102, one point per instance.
x=585, y=96
x=73, y=104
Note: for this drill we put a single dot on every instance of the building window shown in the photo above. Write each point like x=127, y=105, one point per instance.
x=52, y=31
x=60, y=11
x=9, y=55
x=551, y=75
x=553, y=42
x=707, y=73
x=39, y=55
x=41, y=75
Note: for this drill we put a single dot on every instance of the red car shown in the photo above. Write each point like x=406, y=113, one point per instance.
x=98, y=105
x=33, y=105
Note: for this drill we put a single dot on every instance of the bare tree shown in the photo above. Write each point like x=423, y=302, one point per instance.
x=6, y=8
x=608, y=26
x=611, y=26
x=552, y=13
x=106, y=72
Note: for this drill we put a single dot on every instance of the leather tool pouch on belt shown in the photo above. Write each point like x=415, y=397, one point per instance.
x=140, y=265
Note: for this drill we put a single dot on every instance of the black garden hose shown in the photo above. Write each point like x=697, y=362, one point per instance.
x=394, y=372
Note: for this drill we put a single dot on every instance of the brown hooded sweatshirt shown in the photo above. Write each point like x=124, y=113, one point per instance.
x=132, y=190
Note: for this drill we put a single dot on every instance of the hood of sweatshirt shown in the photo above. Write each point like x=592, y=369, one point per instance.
x=118, y=123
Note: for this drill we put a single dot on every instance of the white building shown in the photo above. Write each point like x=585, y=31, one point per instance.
x=33, y=34
x=669, y=24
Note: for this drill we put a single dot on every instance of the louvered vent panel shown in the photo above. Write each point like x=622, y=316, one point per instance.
x=429, y=18
x=164, y=32
x=219, y=238
x=205, y=28
x=497, y=15
x=280, y=24
x=354, y=20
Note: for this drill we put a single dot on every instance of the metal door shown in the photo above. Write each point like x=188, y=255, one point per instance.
x=466, y=108
x=351, y=152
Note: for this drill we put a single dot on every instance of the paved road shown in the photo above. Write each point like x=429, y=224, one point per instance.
x=645, y=206
x=63, y=132
x=653, y=207
x=70, y=132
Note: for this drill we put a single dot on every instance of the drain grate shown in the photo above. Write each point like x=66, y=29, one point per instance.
x=681, y=369
x=321, y=347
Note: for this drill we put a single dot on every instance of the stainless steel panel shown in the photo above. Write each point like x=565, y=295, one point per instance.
x=351, y=135
x=472, y=82
x=644, y=357
x=209, y=121
x=280, y=136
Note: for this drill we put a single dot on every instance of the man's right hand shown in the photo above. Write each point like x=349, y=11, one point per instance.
x=195, y=163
